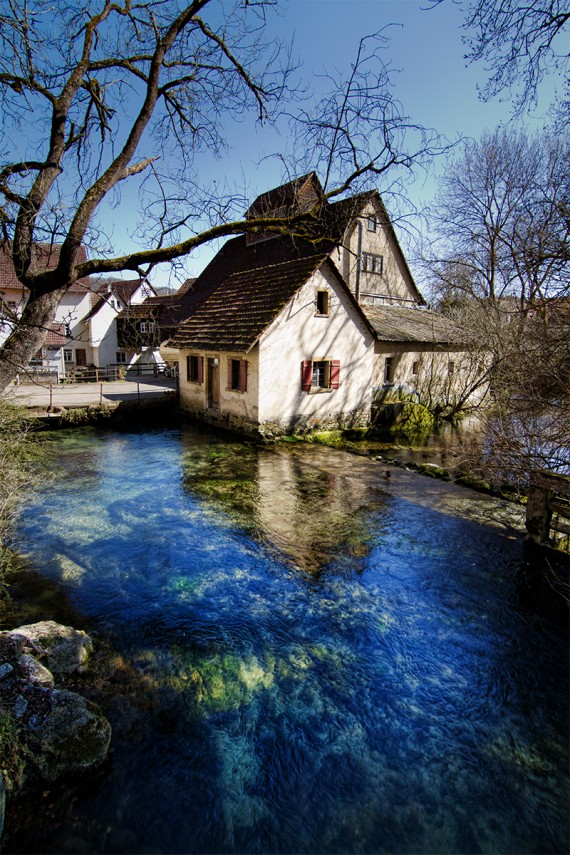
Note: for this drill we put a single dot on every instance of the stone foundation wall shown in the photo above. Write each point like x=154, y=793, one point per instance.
x=273, y=429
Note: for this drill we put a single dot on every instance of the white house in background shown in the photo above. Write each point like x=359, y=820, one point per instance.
x=90, y=317
x=285, y=333
x=84, y=332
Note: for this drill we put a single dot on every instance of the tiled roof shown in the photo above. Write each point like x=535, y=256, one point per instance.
x=291, y=195
x=234, y=316
x=185, y=286
x=396, y=323
x=121, y=288
x=56, y=335
x=45, y=256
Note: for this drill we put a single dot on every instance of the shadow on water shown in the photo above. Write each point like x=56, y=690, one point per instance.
x=304, y=657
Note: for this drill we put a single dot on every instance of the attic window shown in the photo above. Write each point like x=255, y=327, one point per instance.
x=322, y=303
x=372, y=263
x=371, y=224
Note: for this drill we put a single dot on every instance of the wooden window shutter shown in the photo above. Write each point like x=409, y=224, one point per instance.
x=229, y=381
x=200, y=369
x=188, y=367
x=243, y=375
x=306, y=375
x=335, y=373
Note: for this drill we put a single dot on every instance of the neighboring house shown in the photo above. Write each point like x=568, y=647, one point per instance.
x=286, y=333
x=83, y=334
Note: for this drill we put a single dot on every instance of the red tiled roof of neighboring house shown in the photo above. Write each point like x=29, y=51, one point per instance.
x=45, y=256
x=56, y=335
x=235, y=315
x=399, y=324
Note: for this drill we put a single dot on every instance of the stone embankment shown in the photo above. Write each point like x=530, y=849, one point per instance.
x=46, y=732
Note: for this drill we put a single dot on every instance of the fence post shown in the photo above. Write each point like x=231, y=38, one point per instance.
x=100, y=394
x=50, y=394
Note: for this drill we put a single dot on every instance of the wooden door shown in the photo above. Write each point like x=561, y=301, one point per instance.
x=81, y=357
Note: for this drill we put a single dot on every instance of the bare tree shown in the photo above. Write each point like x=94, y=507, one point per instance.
x=98, y=97
x=501, y=267
x=520, y=43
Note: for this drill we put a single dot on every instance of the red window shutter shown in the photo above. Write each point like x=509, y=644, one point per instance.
x=306, y=375
x=200, y=369
x=243, y=375
x=335, y=374
x=229, y=383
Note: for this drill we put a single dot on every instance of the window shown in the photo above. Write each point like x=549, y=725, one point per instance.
x=389, y=369
x=120, y=357
x=416, y=368
x=68, y=330
x=322, y=303
x=320, y=374
x=237, y=375
x=67, y=355
x=371, y=224
x=371, y=263
x=195, y=369
x=146, y=326
x=451, y=368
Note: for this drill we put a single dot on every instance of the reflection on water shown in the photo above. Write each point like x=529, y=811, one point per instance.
x=326, y=662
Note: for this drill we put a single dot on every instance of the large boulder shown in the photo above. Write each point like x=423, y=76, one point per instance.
x=65, y=734
x=62, y=649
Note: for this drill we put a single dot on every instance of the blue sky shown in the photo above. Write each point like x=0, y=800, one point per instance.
x=435, y=85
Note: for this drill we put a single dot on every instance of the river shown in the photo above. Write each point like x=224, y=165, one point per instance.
x=327, y=660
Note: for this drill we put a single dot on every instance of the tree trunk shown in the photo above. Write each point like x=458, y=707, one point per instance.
x=28, y=335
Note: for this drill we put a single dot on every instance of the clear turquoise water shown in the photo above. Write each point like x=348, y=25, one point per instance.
x=328, y=661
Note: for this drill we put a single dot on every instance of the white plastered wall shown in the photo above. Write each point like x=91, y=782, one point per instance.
x=238, y=406
x=297, y=334
x=434, y=376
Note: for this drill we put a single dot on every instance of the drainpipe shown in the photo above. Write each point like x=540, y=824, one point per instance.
x=358, y=262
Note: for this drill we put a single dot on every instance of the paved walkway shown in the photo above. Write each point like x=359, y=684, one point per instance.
x=83, y=394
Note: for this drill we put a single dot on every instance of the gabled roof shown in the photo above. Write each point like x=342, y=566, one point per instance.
x=300, y=194
x=399, y=324
x=122, y=288
x=236, y=314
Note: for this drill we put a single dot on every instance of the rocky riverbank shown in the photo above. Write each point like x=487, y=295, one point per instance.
x=47, y=732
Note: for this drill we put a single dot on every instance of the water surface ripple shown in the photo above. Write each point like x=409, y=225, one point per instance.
x=328, y=661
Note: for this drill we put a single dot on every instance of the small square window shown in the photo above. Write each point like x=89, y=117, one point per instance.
x=193, y=369
x=120, y=357
x=321, y=374
x=451, y=368
x=371, y=224
x=416, y=368
x=322, y=303
x=67, y=355
x=234, y=379
x=237, y=375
